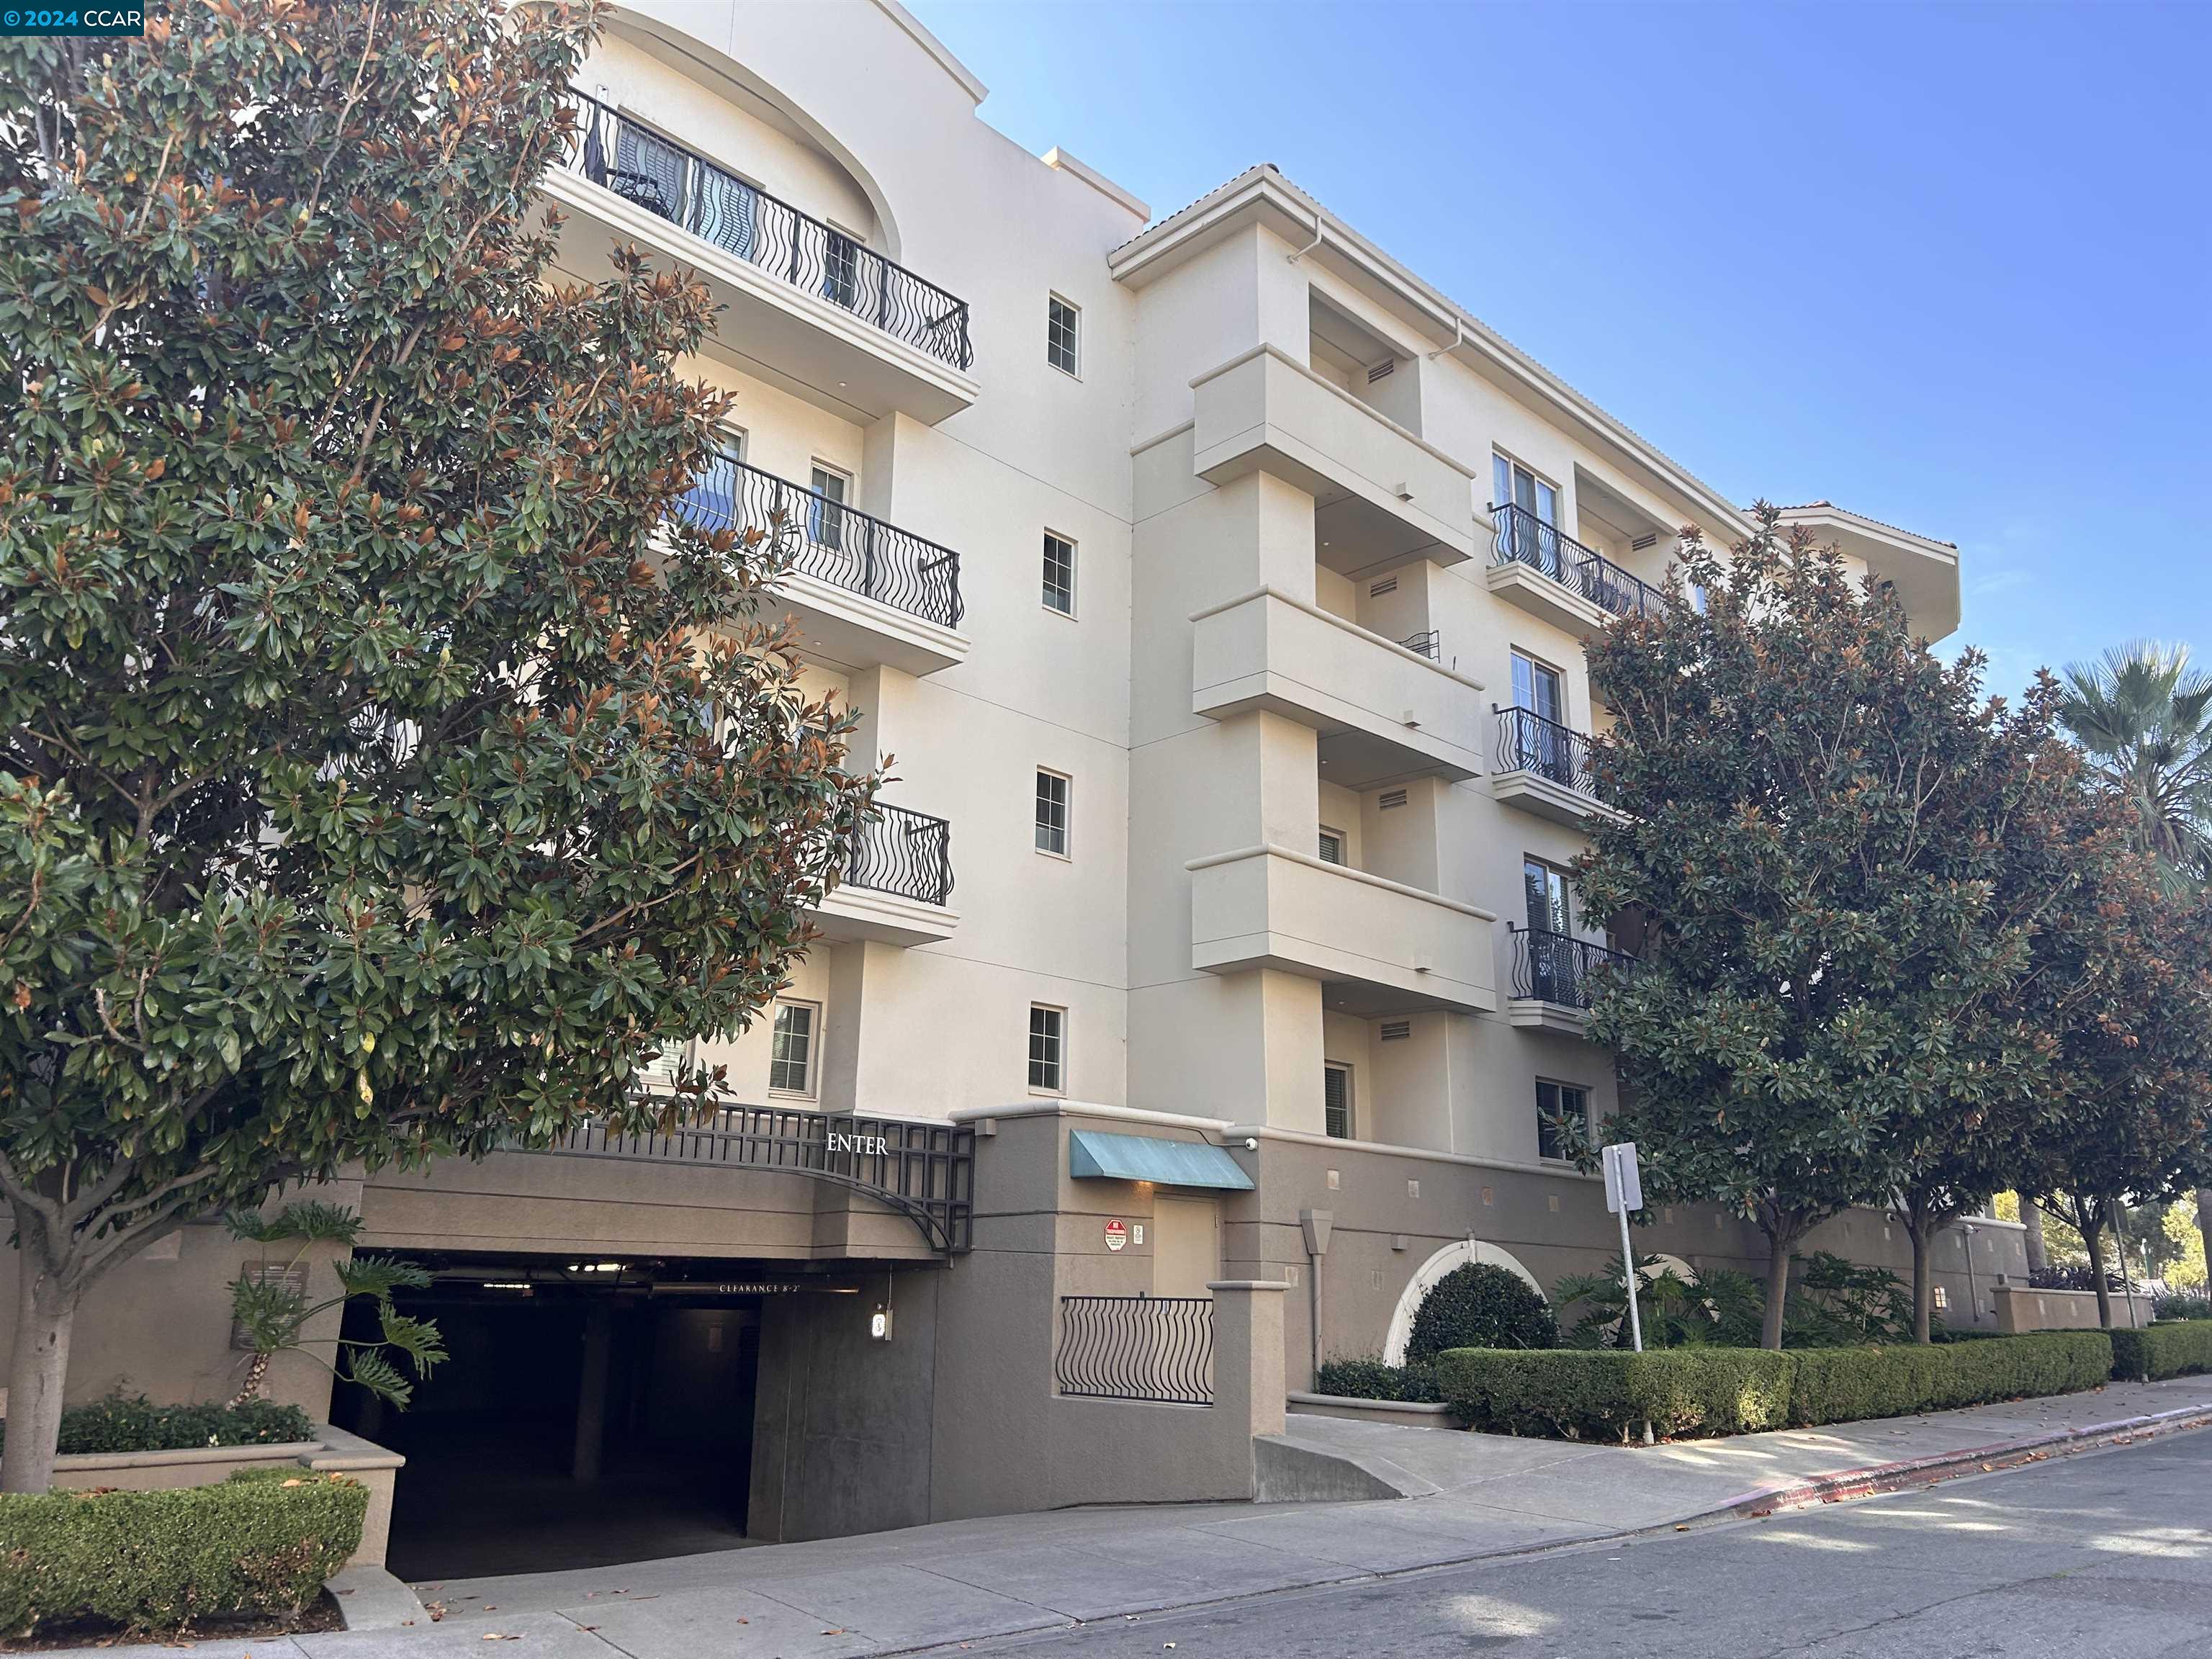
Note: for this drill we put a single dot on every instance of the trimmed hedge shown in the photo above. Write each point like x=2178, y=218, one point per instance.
x=131, y=1422
x=258, y=1544
x=2165, y=1349
x=1480, y=1305
x=1843, y=1385
x=1370, y=1379
x=1582, y=1395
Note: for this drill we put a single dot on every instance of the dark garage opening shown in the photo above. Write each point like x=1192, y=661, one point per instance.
x=588, y=1414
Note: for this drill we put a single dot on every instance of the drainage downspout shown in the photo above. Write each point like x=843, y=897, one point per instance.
x=1315, y=1225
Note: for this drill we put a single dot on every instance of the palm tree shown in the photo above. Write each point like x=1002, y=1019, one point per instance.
x=2144, y=716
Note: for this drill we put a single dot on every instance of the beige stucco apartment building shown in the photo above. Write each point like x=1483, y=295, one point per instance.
x=1219, y=589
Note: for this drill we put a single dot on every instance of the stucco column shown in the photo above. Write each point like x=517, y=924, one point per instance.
x=1247, y=1355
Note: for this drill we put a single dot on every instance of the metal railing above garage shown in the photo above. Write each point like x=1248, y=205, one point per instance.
x=926, y=1171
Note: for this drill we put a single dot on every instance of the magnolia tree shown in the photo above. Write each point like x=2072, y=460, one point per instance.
x=382, y=774
x=1810, y=842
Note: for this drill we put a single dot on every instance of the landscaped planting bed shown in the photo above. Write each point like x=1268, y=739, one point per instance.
x=1606, y=1394
x=131, y=1423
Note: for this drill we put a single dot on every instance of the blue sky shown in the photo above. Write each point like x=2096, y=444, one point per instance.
x=1950, y=266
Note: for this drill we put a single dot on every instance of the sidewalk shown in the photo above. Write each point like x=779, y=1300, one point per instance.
x=1481, y=1495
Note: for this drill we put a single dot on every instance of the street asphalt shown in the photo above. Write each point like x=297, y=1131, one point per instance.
x=2103, y=1555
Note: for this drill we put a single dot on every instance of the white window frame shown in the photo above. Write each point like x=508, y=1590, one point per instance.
x=1582, y=1089
x=813, y=1010
x=843, y=507
x=1073, y=371
x=1044, y=562
x=1351, y=1100
x=1058, y=1037
x=1066, y=847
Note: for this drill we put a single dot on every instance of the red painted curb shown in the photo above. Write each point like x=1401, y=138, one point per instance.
x=1834, y=1487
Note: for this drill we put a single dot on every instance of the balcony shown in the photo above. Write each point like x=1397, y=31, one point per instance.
x=1555, y=976
x=896, y=885
x=1382, y=496
x=1382, y=947
x=1385, y=711
x=860, y=591
x=1555, y=578
x=1544, y=767
x=830, y=319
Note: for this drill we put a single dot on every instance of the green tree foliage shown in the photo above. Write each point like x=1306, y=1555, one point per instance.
x=382, y=774
x=1826, y=949
x=271, y=1305
x=2144, y=714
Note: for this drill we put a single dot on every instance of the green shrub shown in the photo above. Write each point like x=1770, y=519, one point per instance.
x=1370, y=1378
x=1607, y=1394
x=1480, y=1305
x=2167, y=1349
x=259, y=1544
x=131, y=1423
x=2182, y=1305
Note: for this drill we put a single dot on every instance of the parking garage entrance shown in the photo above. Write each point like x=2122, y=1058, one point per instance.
x=590, y=1412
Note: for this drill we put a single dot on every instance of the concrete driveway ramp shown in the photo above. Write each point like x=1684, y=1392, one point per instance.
x=1300, y=1468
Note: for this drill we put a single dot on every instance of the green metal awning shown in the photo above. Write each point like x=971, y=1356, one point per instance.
x=1092, y=1156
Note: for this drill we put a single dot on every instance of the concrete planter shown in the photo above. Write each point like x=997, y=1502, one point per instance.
x=2021, y=1307
x=333, y=1451
x=1405, y=1413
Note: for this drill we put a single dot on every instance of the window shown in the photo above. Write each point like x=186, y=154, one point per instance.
x=1553, y=964
x=1059, y=574
x=1540, y=744
x=826, y=512
x=1526, y=511
x=1052, y=813
x=1556, y=1105
x=1336, y=1100
x=791, y=1053
x=1332, y=845
x=1047, y=1047
x=1062, y=330
x=712, y=501
x=841, y=271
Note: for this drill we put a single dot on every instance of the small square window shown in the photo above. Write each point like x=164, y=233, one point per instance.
x=1062, y=331
x=1336, y=1102
x=1047, y=1047
x=1059, y=574
x=791, y=1054
x=1052, y=813
x=1556, y=1105
x=1332, y=846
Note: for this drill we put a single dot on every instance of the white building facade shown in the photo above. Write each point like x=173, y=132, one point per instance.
x=1216, y=593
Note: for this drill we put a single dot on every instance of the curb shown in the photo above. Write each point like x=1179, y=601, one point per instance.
x=1944, y=1465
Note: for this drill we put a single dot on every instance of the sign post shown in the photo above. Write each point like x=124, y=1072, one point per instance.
x=1624, y=1191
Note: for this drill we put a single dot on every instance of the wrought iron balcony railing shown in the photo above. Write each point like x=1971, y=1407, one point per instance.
x=685, y=188
x=1519, y=537
x=1428, y=643
x=839, y=543
x=1558, y=968
x=902, y=851
x=1527, y=742
x=1156, y=1348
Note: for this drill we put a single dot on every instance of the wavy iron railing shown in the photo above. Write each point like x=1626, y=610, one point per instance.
x=926, y=1171
x=1428, y=643
x=1154, y=1348
x=899, y=851
x=1519, y=537
x=1558, y=968
x=840, y=544
x=1527, y=742
x=685, y=188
